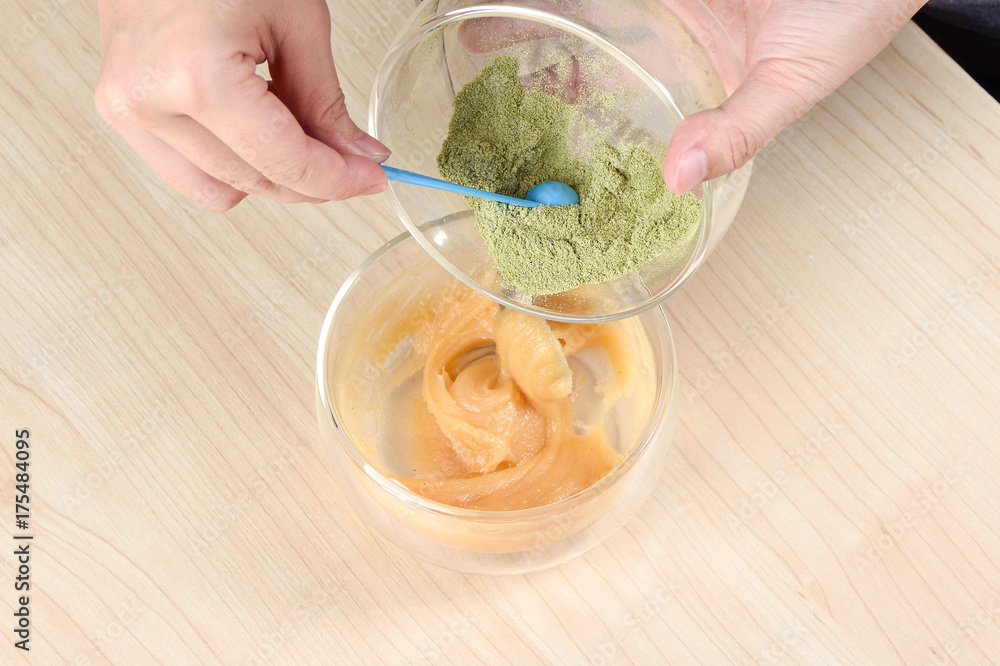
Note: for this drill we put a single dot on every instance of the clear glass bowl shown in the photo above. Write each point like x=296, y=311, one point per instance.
x=663, y=60
x=354, y=364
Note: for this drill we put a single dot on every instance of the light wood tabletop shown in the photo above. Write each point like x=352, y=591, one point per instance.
x=833, y=491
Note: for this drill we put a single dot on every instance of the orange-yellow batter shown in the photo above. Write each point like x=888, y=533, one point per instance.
x=494, y=427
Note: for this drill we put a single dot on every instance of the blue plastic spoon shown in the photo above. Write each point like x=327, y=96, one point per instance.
x=549, y=193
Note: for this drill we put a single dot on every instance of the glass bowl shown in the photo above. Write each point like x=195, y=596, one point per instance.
x=361, y=349
x=661, y=59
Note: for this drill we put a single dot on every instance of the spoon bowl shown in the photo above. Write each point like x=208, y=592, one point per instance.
x=553, y=193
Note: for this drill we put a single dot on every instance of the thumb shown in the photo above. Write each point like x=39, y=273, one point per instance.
x=305, y=79
x=715, y=142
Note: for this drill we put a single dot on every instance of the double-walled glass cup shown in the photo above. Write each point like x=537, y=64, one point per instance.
x=355, y=363
x=660, y=60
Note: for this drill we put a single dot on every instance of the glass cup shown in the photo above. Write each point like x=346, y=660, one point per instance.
x=363, y=349
x=662, y=60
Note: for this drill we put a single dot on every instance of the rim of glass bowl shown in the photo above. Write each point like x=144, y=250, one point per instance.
x=410, y=36
x=665, y=392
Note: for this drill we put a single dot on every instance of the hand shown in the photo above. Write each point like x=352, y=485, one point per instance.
x=178, y=82
x=796, y=53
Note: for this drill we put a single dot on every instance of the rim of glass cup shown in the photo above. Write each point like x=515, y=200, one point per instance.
x=666, y=391
x=409, y=37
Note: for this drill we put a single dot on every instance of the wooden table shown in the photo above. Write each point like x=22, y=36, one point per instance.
x=832, y=495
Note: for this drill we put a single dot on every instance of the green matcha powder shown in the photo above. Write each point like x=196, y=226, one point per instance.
x=505, y=139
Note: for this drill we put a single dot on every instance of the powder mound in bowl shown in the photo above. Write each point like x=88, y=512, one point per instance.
x=506, y=139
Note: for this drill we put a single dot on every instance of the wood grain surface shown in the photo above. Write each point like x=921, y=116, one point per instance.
x=832, y=495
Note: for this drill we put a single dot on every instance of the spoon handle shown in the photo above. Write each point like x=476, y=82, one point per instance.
x=401, y=176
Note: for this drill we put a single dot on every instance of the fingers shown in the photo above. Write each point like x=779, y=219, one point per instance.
x=184, y=92
x=715, y=142
x=179, y=173
x=225, y=121
x=305, y=79
x=208, y=153
x=263, y=132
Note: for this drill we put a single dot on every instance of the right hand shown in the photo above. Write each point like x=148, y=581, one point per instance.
x=178, y=81
x=796, y=53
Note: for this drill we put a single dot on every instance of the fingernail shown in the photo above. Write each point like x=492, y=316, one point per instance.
x=692, y=168
x=372, y=148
